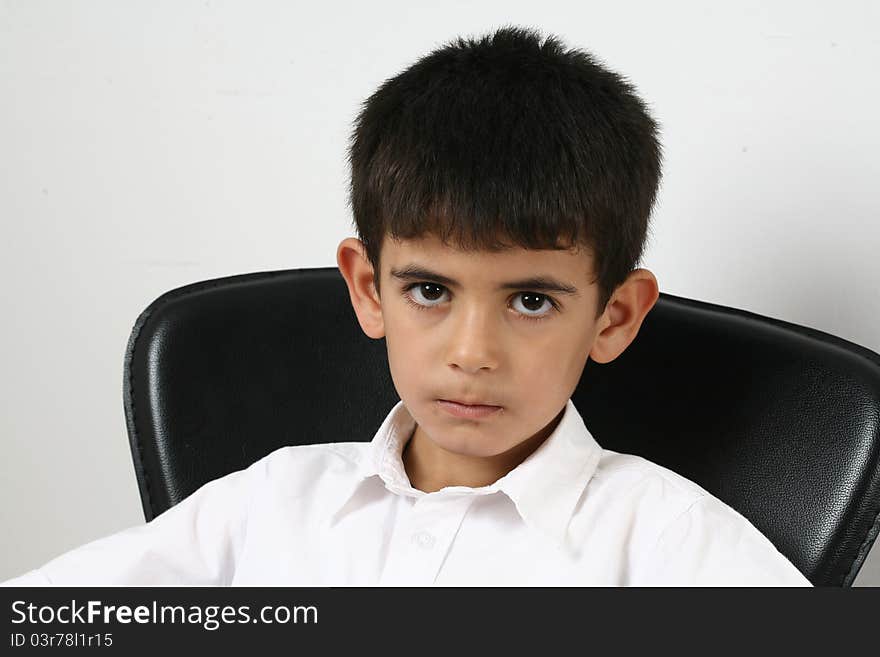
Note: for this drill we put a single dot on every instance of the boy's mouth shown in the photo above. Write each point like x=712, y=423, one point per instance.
x=470, y=402
x=468, y=410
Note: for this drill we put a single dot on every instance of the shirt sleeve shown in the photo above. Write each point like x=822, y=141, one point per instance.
x=711, y=544
x=196, y=542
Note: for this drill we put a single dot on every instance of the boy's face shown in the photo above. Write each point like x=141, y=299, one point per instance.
x=477, y=338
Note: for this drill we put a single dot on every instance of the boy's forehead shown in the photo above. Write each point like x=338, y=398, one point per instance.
x=430, y=251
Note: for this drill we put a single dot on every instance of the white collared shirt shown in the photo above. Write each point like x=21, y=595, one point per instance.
x=345, y=514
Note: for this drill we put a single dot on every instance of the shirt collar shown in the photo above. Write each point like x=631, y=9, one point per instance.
x=545, y=487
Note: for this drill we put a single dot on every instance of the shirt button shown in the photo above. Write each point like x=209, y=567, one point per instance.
x=423, y=540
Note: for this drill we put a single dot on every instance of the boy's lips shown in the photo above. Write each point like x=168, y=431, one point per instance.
x=471, y=402
x=459, y=409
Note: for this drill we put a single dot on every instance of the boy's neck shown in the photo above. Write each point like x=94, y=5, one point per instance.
x=431, y=468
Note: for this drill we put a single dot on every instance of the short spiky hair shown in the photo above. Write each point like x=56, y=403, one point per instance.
x=506, y=140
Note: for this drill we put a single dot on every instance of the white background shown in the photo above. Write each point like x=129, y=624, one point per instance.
x=147, y=145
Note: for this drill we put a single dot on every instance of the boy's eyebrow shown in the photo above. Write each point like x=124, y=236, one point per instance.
x=539, y=283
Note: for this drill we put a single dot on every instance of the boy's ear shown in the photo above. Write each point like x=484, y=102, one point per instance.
x=355, y=267
x=623, y=316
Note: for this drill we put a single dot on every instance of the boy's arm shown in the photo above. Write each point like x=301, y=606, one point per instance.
x=195, y=542
x=711, y=544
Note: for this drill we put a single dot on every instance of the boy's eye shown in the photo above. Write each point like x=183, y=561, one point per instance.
x=428, y=295
x=428, y=291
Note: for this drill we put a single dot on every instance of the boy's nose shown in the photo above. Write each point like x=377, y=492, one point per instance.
x=474, y=342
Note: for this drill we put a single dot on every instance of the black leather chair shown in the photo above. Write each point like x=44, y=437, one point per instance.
x=780, y=421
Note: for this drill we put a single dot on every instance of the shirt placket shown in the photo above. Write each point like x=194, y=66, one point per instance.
x=420, y=543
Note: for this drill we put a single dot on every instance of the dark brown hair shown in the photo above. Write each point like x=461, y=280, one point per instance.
x=508, y=140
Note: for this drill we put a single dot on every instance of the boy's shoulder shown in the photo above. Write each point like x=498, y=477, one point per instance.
x=312, y=471
x=678, y=532
x=351, y=452
x=650, y=495
x=636, y=473
x=661, y=507
x=340, y=458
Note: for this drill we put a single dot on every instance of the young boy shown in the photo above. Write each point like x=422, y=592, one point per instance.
x=501, y=189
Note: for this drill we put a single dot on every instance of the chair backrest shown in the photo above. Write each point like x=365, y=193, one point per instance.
x=780, y=421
